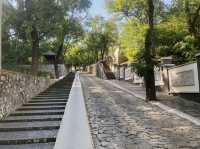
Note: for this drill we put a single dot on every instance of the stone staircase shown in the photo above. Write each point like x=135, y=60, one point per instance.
x=104, y=71
x=35, y=124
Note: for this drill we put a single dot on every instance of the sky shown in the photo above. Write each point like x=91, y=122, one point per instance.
x=99, y=8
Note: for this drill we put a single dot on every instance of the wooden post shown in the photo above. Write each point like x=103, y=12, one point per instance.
x=0, y=34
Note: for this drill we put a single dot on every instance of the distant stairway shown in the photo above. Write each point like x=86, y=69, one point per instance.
x=35, y=124
x=104, y=71
x=109, y=74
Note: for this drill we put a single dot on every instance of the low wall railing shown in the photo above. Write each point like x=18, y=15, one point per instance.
x=74, y=132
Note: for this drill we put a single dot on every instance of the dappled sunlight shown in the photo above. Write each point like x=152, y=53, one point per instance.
x=143, y=108
x=132, y=56
x=154, y=115
x=182, y=130
x=96, y=89
x=179, y=130
x=116, y=91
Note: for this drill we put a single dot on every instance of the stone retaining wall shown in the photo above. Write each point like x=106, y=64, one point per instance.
x=16, y=89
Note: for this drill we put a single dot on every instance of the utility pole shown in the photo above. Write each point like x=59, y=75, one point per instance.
x=0, y=34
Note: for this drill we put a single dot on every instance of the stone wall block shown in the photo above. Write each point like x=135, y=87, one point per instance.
x=16, y=89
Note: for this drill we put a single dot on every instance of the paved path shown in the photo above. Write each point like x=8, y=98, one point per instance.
x=119, y=120
x=35, y=124
x=187, y=106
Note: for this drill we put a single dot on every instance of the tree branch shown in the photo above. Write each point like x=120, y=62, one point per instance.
x=196, y=15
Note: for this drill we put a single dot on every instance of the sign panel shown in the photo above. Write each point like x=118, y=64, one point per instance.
x=128, y=73
x=158, y=77
x=184, y=79
x=137, y=79
x=121, y=72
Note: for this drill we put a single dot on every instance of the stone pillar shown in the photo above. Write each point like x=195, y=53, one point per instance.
x=124, y=72
x=0, y=34
x=166, y=63
x=118, y=69
x=198, y=66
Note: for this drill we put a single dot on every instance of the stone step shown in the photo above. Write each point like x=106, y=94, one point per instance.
x=35, y=124
x=42, y=124
x=15, y=129
x=32, y=118
x=59, y=89
x=29, y=146
x=46, y=104
x=37, y=113
x=43, y=106
x=40, y=108
x=27, y=137
x=51, y=100
x=51, y=97
x=54, y=94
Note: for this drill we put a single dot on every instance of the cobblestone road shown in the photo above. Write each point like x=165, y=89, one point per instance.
x=119, y=120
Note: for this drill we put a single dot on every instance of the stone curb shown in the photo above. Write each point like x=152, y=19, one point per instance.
x=160, y=105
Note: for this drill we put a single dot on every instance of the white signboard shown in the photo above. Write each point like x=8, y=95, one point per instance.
x=158, y=77
x=121, y=72
x=137, y=79
x=128, y=74
x=184, y=79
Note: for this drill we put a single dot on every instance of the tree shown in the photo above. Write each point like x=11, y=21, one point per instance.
x=192, y=9
x=143, y=11
x=32, y=21
x=148, y=54
x=69, y=27
x=102, y=36
x=131, y=38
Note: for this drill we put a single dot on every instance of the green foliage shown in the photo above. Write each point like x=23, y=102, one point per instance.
x=97, y=41
x=77, y=56
x=101, y=37
x=132, y=38
x=136, y=9
x=171, y=32
x=184, y=51
x=56, y=21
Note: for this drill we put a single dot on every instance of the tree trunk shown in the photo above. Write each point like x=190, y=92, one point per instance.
x=58, y=56
x=102, y=54
x=192, y=21
x=35, y=49
x=149, y=74
x=97, y=56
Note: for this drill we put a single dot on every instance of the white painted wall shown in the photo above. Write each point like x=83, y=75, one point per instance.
x=137, y=79
x=158, y=77
x=128, y=73
x=0, y=34
x=184, y=89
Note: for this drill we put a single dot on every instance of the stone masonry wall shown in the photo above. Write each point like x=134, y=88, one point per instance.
x=16, y=89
